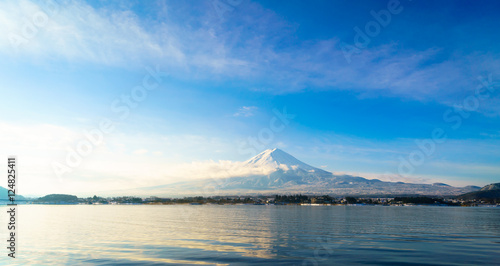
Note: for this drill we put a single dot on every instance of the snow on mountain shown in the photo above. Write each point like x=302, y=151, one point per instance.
x=279, y=160
x=494, y=186
x=275, y=171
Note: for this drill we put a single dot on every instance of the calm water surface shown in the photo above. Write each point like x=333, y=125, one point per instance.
x=247, y=234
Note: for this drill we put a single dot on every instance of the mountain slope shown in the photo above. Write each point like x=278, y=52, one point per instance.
x=494, y=186
x=290, y=175
x=489, y=192
x=277, y=157
x=4, y=195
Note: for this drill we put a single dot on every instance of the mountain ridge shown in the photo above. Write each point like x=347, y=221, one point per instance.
x=490, y=193
x=290, y=175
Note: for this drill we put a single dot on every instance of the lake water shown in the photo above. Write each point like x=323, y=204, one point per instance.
x=247, y=234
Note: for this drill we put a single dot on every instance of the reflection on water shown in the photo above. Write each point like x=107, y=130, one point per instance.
x=226, y=235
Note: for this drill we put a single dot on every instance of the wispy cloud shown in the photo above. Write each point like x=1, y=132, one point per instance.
x=205, y=48
x=78, y=32
x=246, y=111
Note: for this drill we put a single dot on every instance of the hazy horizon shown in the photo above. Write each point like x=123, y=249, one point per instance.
x=261, y=164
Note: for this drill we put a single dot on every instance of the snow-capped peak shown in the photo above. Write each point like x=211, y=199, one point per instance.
x=278, y=159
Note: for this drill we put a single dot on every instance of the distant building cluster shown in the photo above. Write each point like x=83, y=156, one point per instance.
x=298, y=199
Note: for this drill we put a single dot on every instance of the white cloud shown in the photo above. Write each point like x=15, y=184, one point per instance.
x=76, y=31
x=246, y=111
x=284, y=167
x=220, y=169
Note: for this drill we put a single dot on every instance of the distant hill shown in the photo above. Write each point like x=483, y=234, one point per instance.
x=490, y=193
x=4, y=195
x=494, y=186
x=58, y=198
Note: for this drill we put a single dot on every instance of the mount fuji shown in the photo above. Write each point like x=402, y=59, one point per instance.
x=277, y=157
x=275, y=171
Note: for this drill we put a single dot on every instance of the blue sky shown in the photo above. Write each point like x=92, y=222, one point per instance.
x=226, y=65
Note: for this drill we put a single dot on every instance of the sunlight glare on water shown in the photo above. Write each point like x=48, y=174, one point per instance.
x=246, y=234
